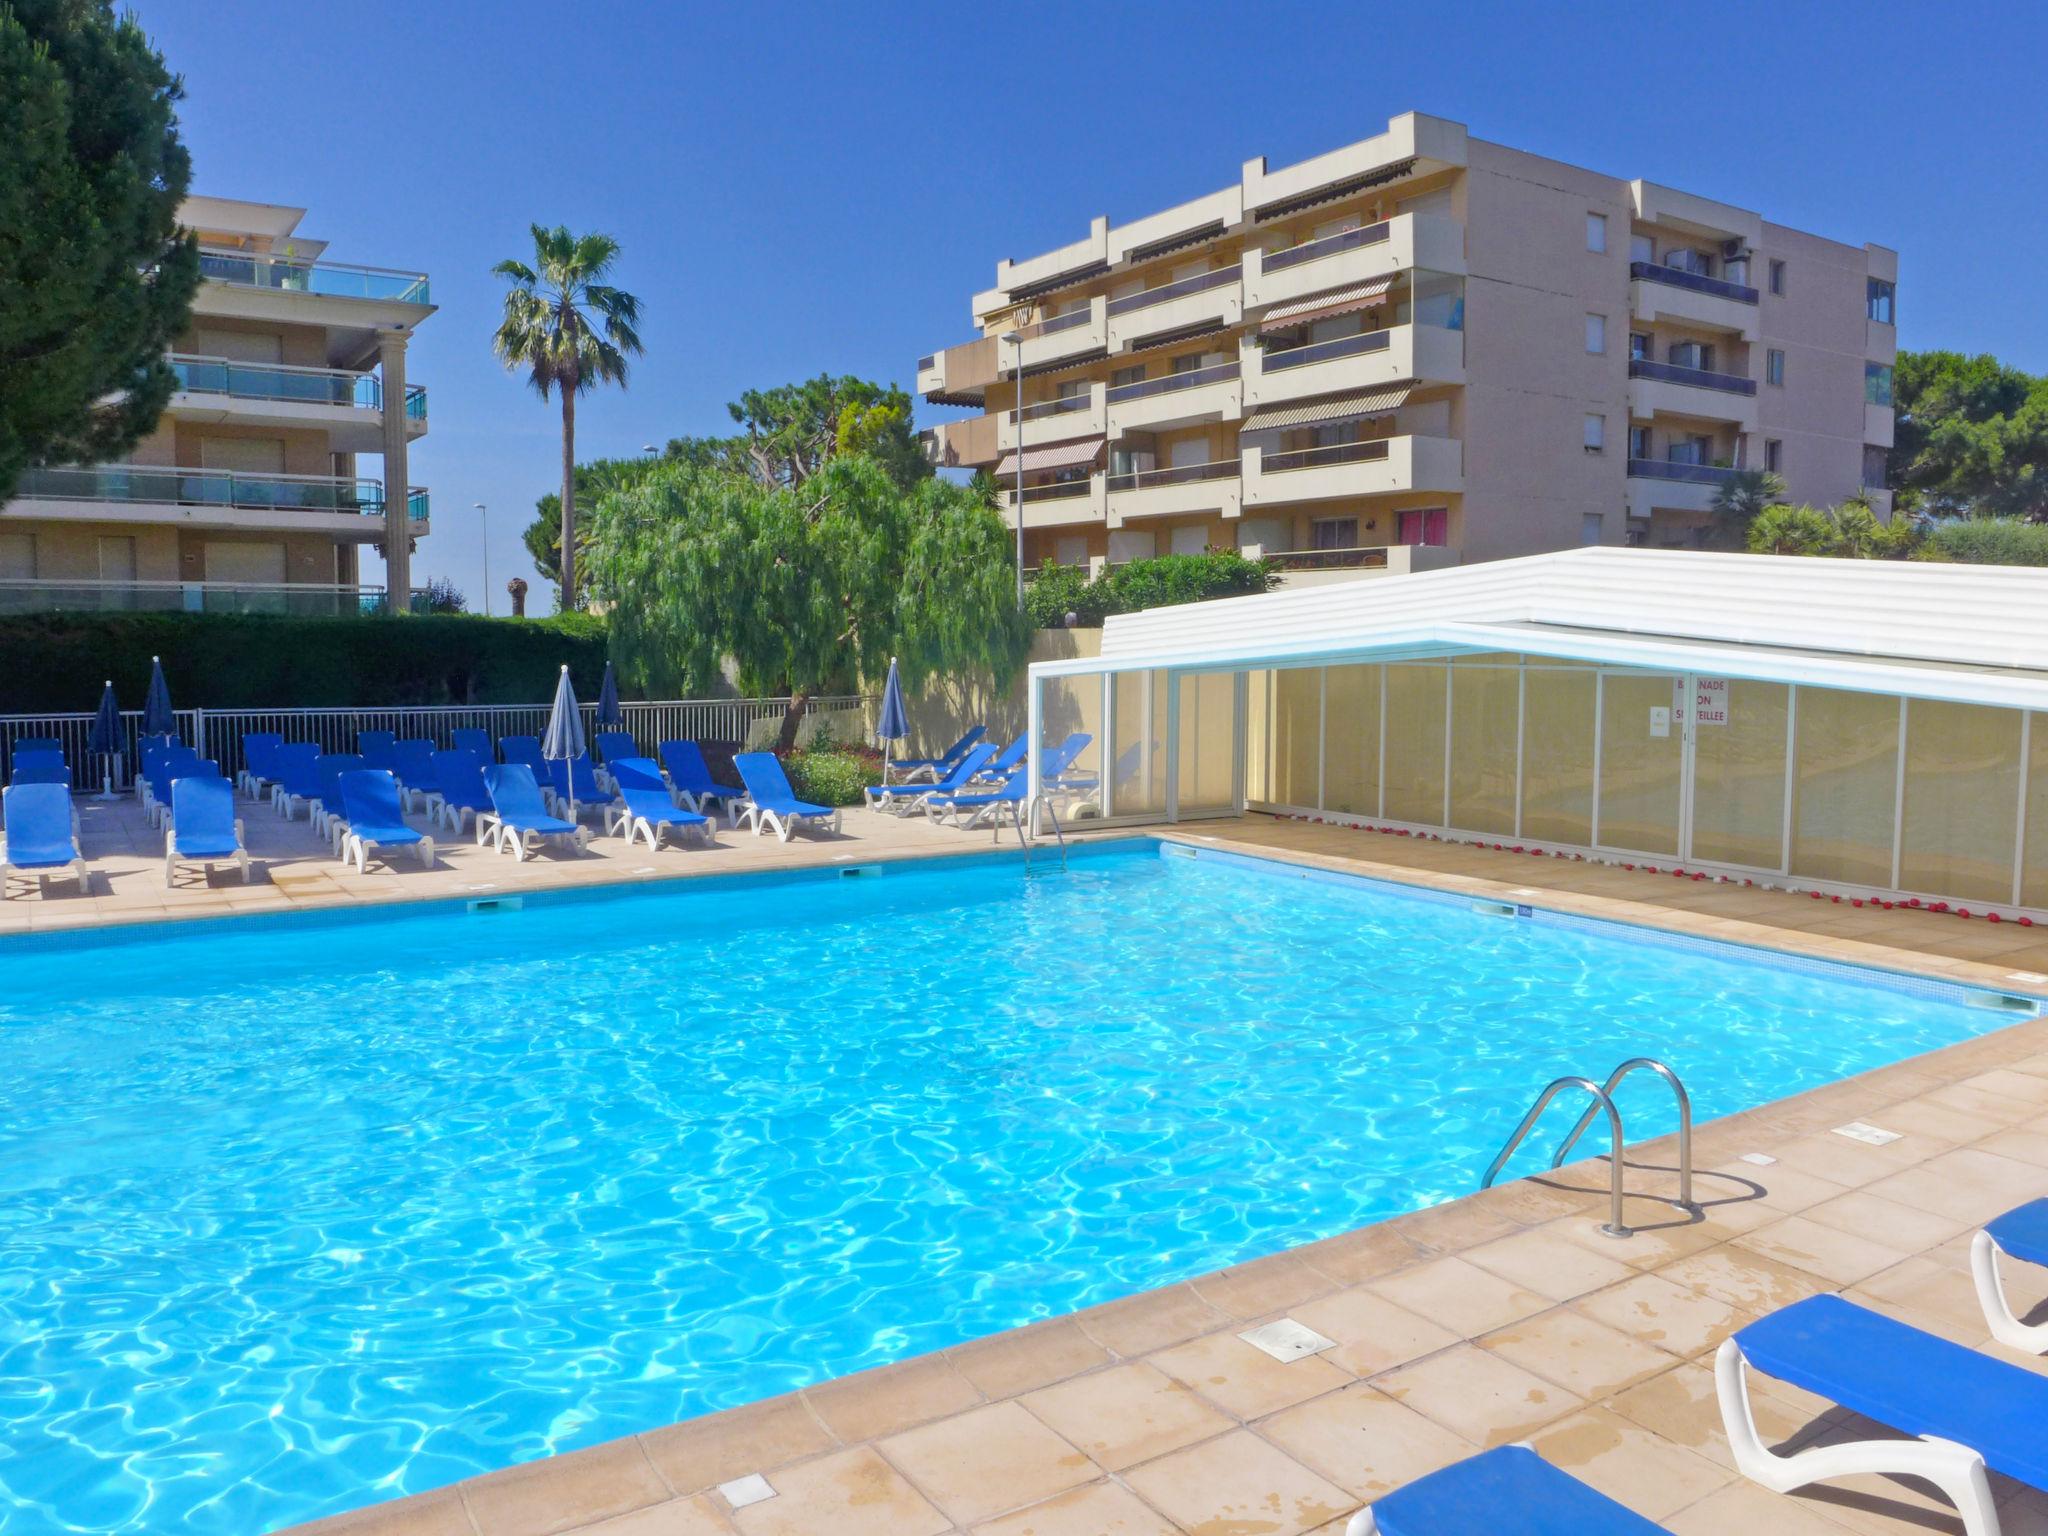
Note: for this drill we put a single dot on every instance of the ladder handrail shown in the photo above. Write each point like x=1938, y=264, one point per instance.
x=1059, y=832
x=1615, y=1226
x=1645, y=1064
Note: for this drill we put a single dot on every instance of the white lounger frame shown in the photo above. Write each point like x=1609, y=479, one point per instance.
x=784, y=827
x=1955, y=1469
x=621, y=819
x=1998, y=1314
x=358, y=849
x=42, y=874
x=522, y=843
x=172, y=859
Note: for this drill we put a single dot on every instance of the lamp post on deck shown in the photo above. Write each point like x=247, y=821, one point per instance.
x=1016, y=340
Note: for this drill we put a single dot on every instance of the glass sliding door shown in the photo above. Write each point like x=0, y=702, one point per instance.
x=1415, y=742
x=1486, y=709
x=1738, y=774
x=1845, y=785
x=1206, y=756
x=1557, y=754
x=1642, y=761
x=1962, y=800
x=1351, y=740
x=2034, y=858
x=1137, y=773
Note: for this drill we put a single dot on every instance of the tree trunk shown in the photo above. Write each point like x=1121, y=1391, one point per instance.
x=568, y=561
x=792, y=717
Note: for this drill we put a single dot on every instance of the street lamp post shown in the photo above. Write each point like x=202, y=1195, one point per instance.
x=1016, y=340
x=483, y=518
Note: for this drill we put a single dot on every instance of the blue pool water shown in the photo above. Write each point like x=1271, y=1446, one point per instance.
x=299, y=1214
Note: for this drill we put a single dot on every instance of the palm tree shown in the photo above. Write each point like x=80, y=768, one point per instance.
x=1741, y=497
x=572, y=331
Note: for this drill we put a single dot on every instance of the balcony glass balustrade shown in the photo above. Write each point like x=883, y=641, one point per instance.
x=330, y=279
x=208, y=487
x=1698, y=378
x=309, y=386
x=1677, y=277
x=1329, y=245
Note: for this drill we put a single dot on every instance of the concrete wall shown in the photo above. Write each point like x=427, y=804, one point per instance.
x=949, y=707
x=1819, y=324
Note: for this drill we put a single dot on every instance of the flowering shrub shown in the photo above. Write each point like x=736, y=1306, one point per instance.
x=829, y=773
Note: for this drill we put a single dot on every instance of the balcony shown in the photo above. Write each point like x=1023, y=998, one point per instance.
x=216, y=389
x=298, y=599
x=1879, y=425
x=1176, y=399
x=959, y=375
x=1340, y=471
x=1054, y=421
x=1063, y=504
x=1673, y=390
x=1062, y=338
x=1177, y=489
x=1421, y=353
x=969, y=443
x=1661, y=485
x=1205, y=300
x=324, y=279
x=1658, y=292
x=1322, y=567
x=1400, y=244
x=349, y=505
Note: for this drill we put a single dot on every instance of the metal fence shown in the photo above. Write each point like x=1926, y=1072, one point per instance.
x=218, y=733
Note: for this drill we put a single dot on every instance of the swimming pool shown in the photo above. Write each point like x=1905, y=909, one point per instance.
x=300, y=1213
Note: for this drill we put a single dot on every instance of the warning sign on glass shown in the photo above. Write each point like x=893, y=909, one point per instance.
x=1710, y=701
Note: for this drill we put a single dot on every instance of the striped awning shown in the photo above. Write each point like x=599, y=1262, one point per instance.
x=1054, y=456
x=1308, y=413
x=1341, y=301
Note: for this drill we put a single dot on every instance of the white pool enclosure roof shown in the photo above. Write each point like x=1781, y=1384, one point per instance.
x=1966, y=633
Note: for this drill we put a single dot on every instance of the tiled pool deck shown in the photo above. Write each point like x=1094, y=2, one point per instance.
x=1504, y=1315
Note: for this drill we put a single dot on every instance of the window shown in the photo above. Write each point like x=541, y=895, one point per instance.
x=1641, y=248
x=1639, y=348
x=1778, y=277
x=1774, y=366
x=1596, y=232
x=1333, y=533
x=1596, y=432
x=1685, y=259
x=1592, y=527
x=1877, y=384
x=1690, y=450
x=1596, y=333
x=1430, y=526
x=1873, y=467
x=1774, y=455
x=1639, y=442
x=1189, y=541
x=1692, y=354
x=1878, y=300
x=1135, y=374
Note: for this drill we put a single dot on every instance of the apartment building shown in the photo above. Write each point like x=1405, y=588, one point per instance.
x=1419, y=349
x=251, y=495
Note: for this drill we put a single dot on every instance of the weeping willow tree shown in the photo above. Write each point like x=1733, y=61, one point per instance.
x=805, y=587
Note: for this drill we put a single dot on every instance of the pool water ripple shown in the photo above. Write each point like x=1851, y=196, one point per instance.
x=300, y=1215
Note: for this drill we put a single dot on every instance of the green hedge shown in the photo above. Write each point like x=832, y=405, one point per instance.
x=1987, y=541
x=57, y=661
x=1160, y=583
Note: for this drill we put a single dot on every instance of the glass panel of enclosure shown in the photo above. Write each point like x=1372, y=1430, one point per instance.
x=1258, y=740
x=1738, y=774
x=1296, y=724
x=1414, y=757
x=1962, y=800
x=1486, y=704
x=1559, y=721
x=1351, y=740
x=1206, y=759
x=2034, y=856
x=1067, y=705
x=1642, y=762
x=1845, y=786
x=1138, y=743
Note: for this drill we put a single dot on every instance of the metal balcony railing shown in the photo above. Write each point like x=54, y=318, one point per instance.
x=1059, y=490
x=1655, y=272
x=1329, y=559
x=1698, y=378
x=278, y=381
x=207, y=487
x=1167, y=383
x=1692, y=474
x=1174, y=474
x=1060, y=407
x=303, y=599
x=1329, y=453
x=924, y=363
x=1056, y=324
x=1323, y=351
x=1329, y=245
x=330, y=279
x=1180, y=290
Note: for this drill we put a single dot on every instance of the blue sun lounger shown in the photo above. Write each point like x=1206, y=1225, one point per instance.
x=470, y=738
x=325, y=814
x=645, y=808
x=912, y=768
x=412, y=764
x=519, y=815
x=459, y=790
x=690, y=781
x=987, y=804
x=2022, y=1234
x=40, y=836
x=1970, y=1411
x=772, y=803
x=369, y=799
x=1508, y=1491
x=203, y=828
x=375, y=747
x=257, y=750
x=298, y=779
x=40, y=767
x=899, y=798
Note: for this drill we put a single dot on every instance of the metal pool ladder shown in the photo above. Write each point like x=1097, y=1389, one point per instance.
x=1603, y=1099
x=1032, y=815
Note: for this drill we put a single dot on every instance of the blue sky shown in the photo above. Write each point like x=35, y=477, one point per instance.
x=820, y=188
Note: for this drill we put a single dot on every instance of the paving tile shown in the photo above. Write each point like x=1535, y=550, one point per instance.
x=1628, y=1463
x=1459, y=1296
x=1008, y=1363
x=1680, y=1408
x=880, y=1402
x=1544, y=1261
x=1576, y=1352
x=1355, y=1257
x=702, y=1453
x=1897, y=1226
x=1262, y=1287
x=1968, y=1184
x=1100, y=1509
x=1745, y=1506
x=2020, y=1144
x=1128, y=1414
x=698, y=1516
x=1245, y=1381
x=1477, y=1394
x=1675, y=1318
x=1140, y=1324
x=1784, y=1189
x=1820, y=1249
x=1239, y=1484
x=559, y=1493
x=439, y=1513
x=1364, y=1441
x=1373, y=1334
x=987, y=1462
x=1754, y=1282
x=848, y=1493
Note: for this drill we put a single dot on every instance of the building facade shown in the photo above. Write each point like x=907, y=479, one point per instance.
x=1418, y=350
x=252, y=493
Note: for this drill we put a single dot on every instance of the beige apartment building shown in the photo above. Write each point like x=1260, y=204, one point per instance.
x=251, y=495
x=1418, y=350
